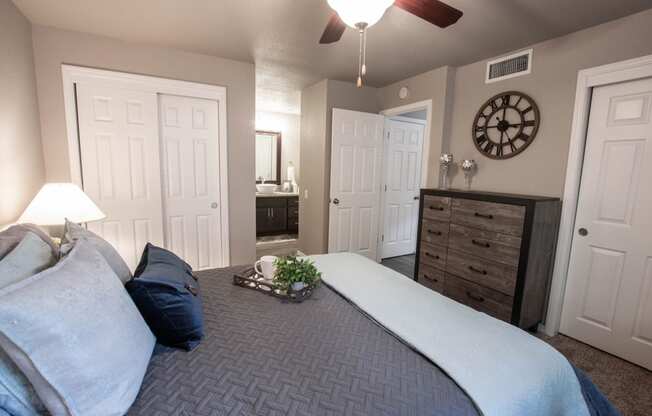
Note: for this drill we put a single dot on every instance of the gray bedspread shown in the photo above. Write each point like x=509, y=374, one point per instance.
x=265, y=357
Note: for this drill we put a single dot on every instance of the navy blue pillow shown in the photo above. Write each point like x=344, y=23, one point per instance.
x=167, y=295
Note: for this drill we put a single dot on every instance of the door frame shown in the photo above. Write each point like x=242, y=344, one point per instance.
x=393, y=113
x=587, y=79
x=72, y=74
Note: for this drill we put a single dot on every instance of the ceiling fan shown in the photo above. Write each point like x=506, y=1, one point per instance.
x=361, y=14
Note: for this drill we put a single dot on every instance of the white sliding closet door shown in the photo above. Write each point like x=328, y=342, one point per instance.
x=119, y=150
x=191, y=179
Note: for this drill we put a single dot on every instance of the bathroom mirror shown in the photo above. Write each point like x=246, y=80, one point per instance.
x=268, y=157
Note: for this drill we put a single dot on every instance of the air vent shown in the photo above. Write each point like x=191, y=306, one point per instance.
x=509, y=66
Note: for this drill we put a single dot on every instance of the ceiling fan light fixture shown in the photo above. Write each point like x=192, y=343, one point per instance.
x=354, y=12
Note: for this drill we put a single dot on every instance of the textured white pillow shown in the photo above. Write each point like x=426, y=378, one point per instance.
x=77, y=336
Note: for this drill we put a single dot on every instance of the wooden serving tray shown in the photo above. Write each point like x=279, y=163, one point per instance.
x=250, y=280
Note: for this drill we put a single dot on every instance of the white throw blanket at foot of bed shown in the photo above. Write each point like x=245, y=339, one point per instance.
x=505, y=371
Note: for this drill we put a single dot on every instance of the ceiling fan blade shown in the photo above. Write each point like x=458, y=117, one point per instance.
x=334, y=30
x=433, y=11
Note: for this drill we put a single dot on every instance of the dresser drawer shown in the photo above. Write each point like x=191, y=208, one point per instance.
x=501, y=248
x=479, y=297
x=431, y=278
x=436, y=207
x=435, y=232
x=486, y=273
x=491, y=216
x=432, y=255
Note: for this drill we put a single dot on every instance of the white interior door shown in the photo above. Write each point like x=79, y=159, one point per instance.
x=119, y=150
x=608, y=300
x=402, y=181
x=191, y=179
x=356, y=170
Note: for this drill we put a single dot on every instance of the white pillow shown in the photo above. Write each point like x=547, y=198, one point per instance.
x=77, y=336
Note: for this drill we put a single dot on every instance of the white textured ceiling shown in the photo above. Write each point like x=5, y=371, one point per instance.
x=281, y=36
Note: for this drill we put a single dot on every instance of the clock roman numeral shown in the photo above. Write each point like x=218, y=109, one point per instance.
x=523, y=137
x=529, y=123
x=481, y=139
x=506, y=99
x=493, y=105
x=526, y=110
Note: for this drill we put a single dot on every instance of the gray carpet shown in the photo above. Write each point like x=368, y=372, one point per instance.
x=627, y=386
x=401, y=264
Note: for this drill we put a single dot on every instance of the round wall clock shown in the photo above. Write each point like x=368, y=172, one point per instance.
x=506, y=125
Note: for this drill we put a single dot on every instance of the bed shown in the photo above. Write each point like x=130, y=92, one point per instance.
x=326, y=356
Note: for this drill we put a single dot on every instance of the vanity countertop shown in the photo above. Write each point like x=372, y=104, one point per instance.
x=276, y=194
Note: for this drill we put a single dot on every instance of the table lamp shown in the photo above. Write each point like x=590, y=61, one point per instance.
x=56, y=202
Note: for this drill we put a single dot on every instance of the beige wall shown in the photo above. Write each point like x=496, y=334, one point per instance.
x=289, y=127
x=437, y=86
x=21, y=158
x=541, y=168
x=317, y=103
x=312, y=216
x=52, y=47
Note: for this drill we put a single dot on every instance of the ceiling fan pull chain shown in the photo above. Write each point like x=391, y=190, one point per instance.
x=364, y=53
x=359, y=83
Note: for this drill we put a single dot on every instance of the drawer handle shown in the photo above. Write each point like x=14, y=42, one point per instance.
x=485, y=216
x=432, y=279
x=473, y=269
x=436, y=208
x=480, y=243
x=474, y=297
x=434, y=232
x=435, y=256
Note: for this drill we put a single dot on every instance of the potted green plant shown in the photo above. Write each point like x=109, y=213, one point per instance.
x=294, y=274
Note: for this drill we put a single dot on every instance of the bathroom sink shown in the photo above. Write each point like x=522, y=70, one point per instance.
x=266, y=188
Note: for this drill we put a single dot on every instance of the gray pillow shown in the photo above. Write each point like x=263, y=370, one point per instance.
x=17, y=395
x=10, y=238
x=29, y=257
x=77, y=336
x=73, y=232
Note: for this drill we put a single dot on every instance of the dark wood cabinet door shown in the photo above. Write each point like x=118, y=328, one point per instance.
x=271, y=220
x=279, y=219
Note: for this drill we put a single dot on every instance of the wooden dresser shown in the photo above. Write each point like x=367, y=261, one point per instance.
x=493, y=252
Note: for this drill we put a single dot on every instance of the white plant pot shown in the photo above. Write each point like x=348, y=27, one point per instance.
x=297, y=286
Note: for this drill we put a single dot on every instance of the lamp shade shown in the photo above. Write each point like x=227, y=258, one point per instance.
x=353, y=12
x=57, y=201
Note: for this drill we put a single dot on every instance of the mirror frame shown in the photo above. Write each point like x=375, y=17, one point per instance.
x=277, y=135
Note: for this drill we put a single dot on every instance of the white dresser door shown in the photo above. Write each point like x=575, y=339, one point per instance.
x=191, y=179
x=608, y=300
x=119, y=149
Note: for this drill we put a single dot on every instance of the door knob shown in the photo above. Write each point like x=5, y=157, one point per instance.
x=583, y=232
x=336, y=201
x=416, y=198
x=214, y=205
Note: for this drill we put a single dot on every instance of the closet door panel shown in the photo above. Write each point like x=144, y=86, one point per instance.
x=119, y=151
x=191, y=179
